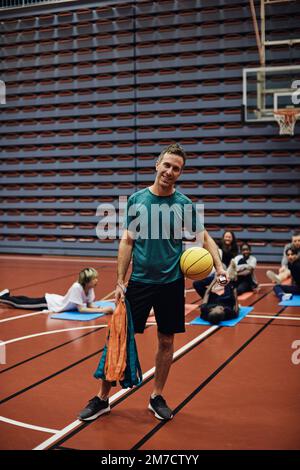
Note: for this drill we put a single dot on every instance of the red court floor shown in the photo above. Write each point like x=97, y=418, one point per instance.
x=230, y=387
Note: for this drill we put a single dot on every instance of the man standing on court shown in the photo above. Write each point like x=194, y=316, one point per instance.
x=155, y=247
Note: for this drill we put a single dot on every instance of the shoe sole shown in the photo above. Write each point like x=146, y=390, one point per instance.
x=96, y=415
x=157, y=415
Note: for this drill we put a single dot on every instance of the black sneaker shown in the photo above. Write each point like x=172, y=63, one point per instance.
x=94, y=408
x=160, y=408
x=4, y=293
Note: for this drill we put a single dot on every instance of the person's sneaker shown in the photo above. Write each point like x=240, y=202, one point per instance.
x=273, y=277
x=4, y=293
x=287, y=296
x=94, y=408
x=160, y=408
x=232, y=270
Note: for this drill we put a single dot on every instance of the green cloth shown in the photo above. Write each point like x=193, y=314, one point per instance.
x=157, y=224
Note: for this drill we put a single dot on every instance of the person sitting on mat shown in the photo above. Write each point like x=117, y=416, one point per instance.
x=229, y=247
x=246, y=264
x=293, y=257
x=284, y=272
x=79, y=297
x=221, y=303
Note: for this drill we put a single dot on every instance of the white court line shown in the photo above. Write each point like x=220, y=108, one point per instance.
x=21, y=316
x=44, y=445
x=274, y=317
x=22, y=338
x=64, y=259
x=28, y=426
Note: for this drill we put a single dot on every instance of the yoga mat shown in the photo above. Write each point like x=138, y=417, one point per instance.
x=243, y=311
x=293, y=302
x=77, y=316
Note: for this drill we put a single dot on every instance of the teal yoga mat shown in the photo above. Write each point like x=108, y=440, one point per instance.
x=242, y=313
x=77, y=316
x=293, y=302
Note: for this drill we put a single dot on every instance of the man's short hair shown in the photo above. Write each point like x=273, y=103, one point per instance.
x=174, y=149
x=296, y=234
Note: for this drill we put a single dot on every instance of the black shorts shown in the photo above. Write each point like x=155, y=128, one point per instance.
x=167, y=301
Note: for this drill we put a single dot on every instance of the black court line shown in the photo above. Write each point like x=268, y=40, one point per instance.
x=44, y=282
x=203, y=384
x=131, y=392
x=117, y=402
x=50, y=350
x=64, y=448
x=4, y=400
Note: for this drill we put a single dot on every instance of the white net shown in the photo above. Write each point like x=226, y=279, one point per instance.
x=286, y=119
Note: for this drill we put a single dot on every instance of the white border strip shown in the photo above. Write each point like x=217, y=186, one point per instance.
x=22, y=316
x=28, y=426
x=22, y=338
x=58, y=258
x=63, y=432
x=274, y=317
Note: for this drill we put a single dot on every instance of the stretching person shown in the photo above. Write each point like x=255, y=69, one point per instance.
x=79, y=297
x=221, y=303
x=228, y=250
x=293, y=258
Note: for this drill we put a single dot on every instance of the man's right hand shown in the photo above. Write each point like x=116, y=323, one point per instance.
x=120, y=292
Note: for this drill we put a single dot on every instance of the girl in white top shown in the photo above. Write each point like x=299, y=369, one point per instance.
x=79, y=297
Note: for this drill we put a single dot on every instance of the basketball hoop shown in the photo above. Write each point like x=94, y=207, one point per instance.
x=286, y=119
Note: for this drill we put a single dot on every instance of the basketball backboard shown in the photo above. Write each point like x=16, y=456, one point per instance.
x=266, y=89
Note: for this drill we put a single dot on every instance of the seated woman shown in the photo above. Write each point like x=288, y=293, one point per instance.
x=220, y=303
x=229, y=248
x=246, y=264
x=293, y=258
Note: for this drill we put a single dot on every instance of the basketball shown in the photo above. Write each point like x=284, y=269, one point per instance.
x=196, y=263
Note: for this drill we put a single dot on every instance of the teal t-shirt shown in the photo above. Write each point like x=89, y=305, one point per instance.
x=157, y=224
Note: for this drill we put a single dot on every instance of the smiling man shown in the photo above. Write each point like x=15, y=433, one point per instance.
x=155, y=246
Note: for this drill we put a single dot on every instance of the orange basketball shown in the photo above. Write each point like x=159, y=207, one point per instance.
x=196, y=263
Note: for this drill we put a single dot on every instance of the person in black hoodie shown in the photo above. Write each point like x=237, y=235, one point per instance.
x=293, y=257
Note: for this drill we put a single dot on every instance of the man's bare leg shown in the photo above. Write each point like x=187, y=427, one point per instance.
x=163, y=362
x=104, y=390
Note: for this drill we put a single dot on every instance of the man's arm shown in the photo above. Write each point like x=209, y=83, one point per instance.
x=124, y=257
x=210, y=245
x=91, y=309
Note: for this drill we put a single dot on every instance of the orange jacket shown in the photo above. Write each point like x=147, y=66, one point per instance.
x=116, y=356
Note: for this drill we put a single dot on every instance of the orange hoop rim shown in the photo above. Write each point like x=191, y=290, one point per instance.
x=288, y=112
